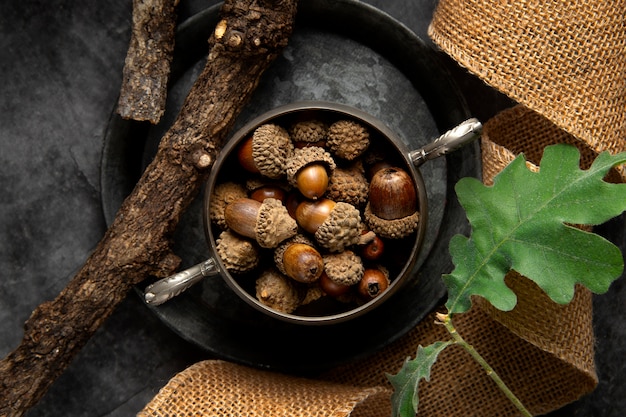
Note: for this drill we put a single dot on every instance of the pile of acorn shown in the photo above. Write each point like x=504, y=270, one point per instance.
x=314, y=209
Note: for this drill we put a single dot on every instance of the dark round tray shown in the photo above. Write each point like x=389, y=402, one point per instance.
x=342, y=51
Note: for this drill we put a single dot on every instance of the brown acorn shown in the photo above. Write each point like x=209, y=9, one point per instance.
x=298, y=258
x=310, y=215
x=265, y=151
x=302, y=262
x=268, y=191
x=373, y=249
x=374, y=282
x=268, y=222
x=392, y=194
x=245, y=158
x=277, y=291
x=331, y=287
x=391, y=211
x=310, y=132
x=335, y=225
x=312, y=180
x=309, y=169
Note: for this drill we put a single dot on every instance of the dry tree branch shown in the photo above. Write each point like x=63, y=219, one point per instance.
x=249, y=37
x=147, y=64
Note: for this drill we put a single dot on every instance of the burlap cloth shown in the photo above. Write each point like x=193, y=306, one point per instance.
x=565, y=63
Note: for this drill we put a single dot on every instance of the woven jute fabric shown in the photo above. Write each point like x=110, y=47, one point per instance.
x=542, y=350
x=218, y=388
x=564, y=59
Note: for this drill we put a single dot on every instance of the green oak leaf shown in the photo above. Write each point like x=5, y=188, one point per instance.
x=524, y=222
x=405, y=399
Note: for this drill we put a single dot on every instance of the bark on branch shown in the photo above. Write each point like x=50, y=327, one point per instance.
x=249, y=37
x=147, y=64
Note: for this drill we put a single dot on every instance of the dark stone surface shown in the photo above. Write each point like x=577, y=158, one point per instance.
x=60, y=71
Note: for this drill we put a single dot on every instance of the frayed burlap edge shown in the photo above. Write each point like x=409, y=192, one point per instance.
x=565, y=60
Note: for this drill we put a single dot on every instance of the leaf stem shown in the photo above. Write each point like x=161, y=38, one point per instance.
x=446, y=320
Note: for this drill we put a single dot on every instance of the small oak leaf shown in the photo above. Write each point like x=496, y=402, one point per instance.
x=405, y=399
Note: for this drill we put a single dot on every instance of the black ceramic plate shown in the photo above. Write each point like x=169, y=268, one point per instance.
x=342, y=51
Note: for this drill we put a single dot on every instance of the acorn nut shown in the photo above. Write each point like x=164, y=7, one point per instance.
x=266, y=151
x=238, y=254
x=374, y=282
x=268, y=191
x=344, y=268
x=332, y=288
x=311, y=215
x=347, y=139
x=277, y=291
x=348, y=184
x=268, y=222
x=373, y=249
x=335, y=225
x=308, y=169
x=391, y=210
x=308, y=133
x=223, y=194
x=298, y=259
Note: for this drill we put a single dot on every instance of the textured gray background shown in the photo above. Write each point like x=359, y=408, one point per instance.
x=60, y=72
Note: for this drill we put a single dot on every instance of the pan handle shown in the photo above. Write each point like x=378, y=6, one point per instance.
x=453, y=139
x=168, y=288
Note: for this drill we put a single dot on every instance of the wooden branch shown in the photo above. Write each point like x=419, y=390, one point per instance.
x=147, y=65
x=249, y=37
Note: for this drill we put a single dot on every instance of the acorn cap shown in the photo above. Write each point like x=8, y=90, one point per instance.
x=271, y=146
x=273, y=224
x=348, y=185
x=308, y=131
x=282, y=247
x=237, y=254
x=305, y=156
x=223, y=194
x=347, y=139
x=392, y=229
x=344, y=268
x=277, y=291
x=341, y=228
x=313, y=293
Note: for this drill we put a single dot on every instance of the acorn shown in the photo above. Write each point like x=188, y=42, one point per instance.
x=238, y=254
x=331, y=287
x=277, y=291
x=344, y=268
x=373, y=249
x=268, y=222
x=268, y=191
x=348, y=184
x=292, y=201
x=266, y=151
x=375, y=281
x=308, y=169
x=310, y=215
x=298, y=259
x=347, y=139
x=257, y=182
x=310, y=132
x=222, y=195
x=313, y=293
x=335, y=225
x=391, y=210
